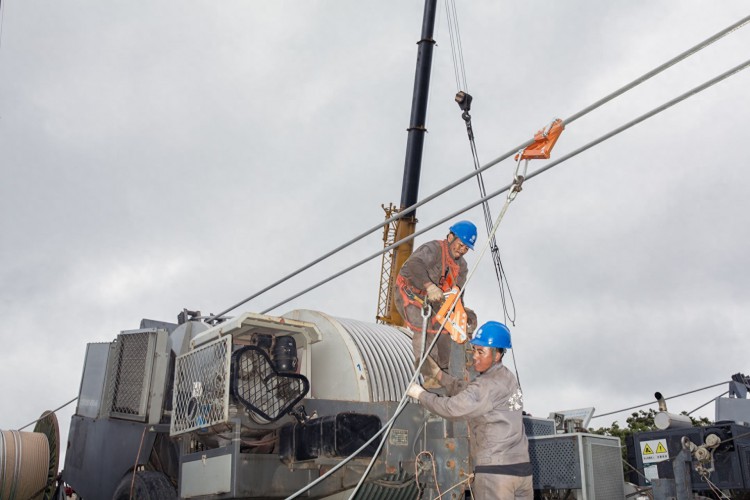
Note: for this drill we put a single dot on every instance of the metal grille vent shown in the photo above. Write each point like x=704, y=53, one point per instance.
x=555, y=462
x=538, y=426
x=129, y=375
x=201, y=387
x=391, y=487
x=256, y=384
x=607, y=478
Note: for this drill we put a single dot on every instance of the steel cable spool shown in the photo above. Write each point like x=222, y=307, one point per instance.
x=24, y=465
x=48, y=426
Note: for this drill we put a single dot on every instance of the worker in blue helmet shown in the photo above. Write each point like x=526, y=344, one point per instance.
x=433, y=269
x=493, y=405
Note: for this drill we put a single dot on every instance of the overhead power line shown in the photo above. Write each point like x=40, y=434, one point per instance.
x=533, y=174
x=654, y=401
x=403, y=213
x=684, y=55
x=597, y=141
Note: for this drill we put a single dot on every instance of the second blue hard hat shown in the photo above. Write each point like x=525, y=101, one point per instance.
x=492, y=334
x=466, y=231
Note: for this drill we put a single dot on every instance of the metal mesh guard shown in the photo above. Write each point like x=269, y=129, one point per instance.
x=129, y=374
x=201, y=387
x=257, y=385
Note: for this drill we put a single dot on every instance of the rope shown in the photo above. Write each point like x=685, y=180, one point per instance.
x=402, y=403
x=471, y=476
x=654, y=401
x=512, y=193
x=714, y=488
x=434, y=470
x=511, y=196
x=336, y=467
x=541, y=170
x=408, y=210
x=385, y=429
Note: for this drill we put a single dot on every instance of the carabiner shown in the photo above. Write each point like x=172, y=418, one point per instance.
x=518, y=178
x=426, y=310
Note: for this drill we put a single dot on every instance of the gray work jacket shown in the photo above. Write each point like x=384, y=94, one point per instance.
x=493, y=406
x=425, y=265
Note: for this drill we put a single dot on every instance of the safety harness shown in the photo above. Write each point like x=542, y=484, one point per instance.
x=415, y=297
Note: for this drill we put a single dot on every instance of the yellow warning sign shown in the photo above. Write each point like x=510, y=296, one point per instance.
x=654, y=450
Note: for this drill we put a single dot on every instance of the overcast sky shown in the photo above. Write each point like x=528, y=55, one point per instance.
x=157, y=156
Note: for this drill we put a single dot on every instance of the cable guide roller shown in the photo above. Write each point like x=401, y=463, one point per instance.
x=544, y=141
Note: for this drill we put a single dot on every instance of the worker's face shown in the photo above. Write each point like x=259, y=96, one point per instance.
x=484, y=357
x=456, y=247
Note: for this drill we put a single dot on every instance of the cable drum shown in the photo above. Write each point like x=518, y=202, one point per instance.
x=24, y=465
x=357, y=361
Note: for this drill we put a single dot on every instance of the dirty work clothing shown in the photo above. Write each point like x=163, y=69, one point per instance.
x=441, y=353
x=502, y=487
x=430, y=263
x=493, y=406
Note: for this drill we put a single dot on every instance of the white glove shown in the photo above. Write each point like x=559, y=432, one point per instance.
x=414, y=390
x=434, y=293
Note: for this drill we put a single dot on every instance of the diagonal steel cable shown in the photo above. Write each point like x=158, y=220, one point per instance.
x=665, y=399
x=406, y=211
x=533, y=174
x=402, y=403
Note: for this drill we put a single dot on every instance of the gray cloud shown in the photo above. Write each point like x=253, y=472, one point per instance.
x=156, y=157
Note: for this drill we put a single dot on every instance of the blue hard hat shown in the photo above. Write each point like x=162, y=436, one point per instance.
x=466, y=232
x=492, y=334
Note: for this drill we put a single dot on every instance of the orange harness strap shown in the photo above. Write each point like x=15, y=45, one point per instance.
x=449, y=269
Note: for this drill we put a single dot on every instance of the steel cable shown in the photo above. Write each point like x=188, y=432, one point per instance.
x=533, y=174
x=511, y=196
x=406, y=211
x=402, y=403
x=665, y=399
x=53, y=411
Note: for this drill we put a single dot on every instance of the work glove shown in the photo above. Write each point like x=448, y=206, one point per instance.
x=434, y=293
x=471, y=321
x=414, y=390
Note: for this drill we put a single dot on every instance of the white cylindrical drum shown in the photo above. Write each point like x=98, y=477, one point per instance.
x=355, y=360
x=665, y=420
